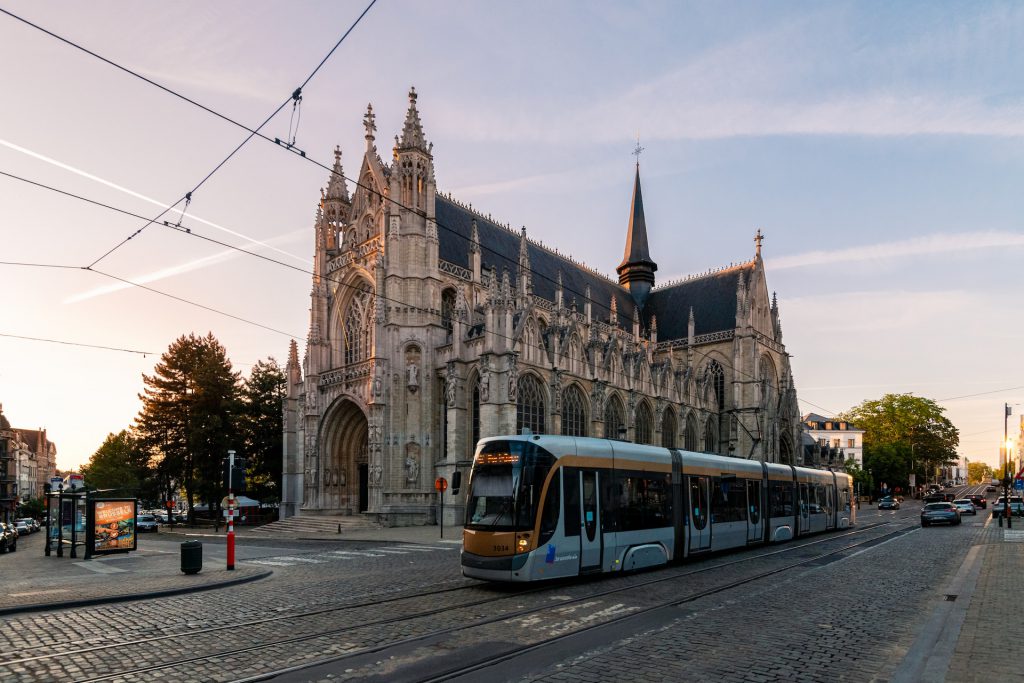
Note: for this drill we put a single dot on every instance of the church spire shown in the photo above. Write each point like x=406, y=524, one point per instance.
x=637, y=269
x=412, y=131
x=336, y=186
x=370, y=125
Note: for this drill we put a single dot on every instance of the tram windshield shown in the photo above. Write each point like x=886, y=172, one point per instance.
x=505, y=485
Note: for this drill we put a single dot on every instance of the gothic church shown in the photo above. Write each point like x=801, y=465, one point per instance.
x=432, y=325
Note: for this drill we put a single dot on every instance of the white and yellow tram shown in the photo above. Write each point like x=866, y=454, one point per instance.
x=544, y=507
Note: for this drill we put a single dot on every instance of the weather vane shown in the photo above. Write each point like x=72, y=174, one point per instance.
x=638, y=149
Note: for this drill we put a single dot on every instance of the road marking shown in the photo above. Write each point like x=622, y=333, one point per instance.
x=429, y=548
x=1013, y=535
x=356, y=553
x=286, y=558
x=270, y=563
x=390, y=551
x=49, y=592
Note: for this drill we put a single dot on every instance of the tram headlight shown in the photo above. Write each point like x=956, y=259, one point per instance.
x=522, y=543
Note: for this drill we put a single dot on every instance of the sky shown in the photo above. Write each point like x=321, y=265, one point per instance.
x=878, y=146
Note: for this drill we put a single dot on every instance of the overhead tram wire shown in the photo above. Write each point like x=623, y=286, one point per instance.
x=277, y=143
x=192, y=233
x=252, y=132
x=70, y=343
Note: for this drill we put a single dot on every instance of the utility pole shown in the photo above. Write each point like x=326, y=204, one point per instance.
x=231, y=512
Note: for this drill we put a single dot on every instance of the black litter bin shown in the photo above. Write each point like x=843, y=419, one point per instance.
x=191, y=557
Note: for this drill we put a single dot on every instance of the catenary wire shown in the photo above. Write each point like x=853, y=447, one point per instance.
x=192, y=233
x=71, y=343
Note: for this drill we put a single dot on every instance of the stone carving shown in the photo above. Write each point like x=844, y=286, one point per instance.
x=374, y=432
x=597, y=398
x=451, y=385
x=513, y=379
x=378, y=382
x=412, y=375
x=461, y=306
x=485, y=381
x=376, y=472
x=412, y=469
x=556, y=391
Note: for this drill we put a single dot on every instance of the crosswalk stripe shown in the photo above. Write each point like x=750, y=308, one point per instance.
x=270, y=563
x=356, y=553
x=389, y=551
x=425, y=548
x=284, y=558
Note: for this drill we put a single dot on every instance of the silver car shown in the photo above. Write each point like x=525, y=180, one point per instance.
x=965, y=506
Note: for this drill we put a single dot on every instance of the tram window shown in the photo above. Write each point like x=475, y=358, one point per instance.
x=728, y=501
x=609, y=501
x=781, y=504
x=552, y=504
x=754, y=501
x=643, y=500
x=572, y=501
x=698, y=502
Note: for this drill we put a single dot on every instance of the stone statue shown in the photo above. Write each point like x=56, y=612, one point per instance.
x=412, y=469
x=485, y=383
x=378, y=383
x=412, y=372
x=451, y=387
x=375, y=474
x=513, y=381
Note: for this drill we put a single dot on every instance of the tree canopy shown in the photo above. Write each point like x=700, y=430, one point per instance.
x=904, y=433
x=261, y=423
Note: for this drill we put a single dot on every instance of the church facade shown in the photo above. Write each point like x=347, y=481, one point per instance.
x=433, y=325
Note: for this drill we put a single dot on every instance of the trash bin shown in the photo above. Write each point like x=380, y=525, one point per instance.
x=191, y=557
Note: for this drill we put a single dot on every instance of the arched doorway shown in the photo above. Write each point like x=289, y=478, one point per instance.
x=344, y=452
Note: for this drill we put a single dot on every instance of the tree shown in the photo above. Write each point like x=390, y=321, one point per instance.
x=862, y=479
x=978, y=473
x=188, y=417
x=261, y=427
x=122, y=465
x=904, y=433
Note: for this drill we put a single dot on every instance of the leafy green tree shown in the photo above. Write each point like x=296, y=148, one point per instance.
x=188, y=420
x=862, y=480
x=978, y=473
x=261, y=427
x=33, y=507
x=904, y=433
x=122, y=466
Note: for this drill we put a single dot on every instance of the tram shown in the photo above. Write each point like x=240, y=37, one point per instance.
x=544, y=507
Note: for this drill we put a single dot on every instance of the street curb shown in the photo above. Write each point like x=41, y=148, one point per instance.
x=87, y=602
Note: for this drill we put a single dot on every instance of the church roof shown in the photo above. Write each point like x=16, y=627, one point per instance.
x=712, y=297
x=500, y=248
x=637, y=252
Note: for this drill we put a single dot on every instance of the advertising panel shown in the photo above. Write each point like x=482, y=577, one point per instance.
x=112, y=525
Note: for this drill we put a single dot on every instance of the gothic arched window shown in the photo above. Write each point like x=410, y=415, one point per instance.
x=690, y=434
x=474, y=410
x=530, y=405
x=614, y=419
x=714, y=378
x=448, y=312
x=356, y=326
x=574, y=412
x=668, y=428
x=644, y=424
x=710, y=435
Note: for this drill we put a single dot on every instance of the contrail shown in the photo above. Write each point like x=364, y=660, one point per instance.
x=119, y=188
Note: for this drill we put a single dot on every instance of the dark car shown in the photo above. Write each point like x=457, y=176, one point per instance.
x=8, y=538
x=888, y=503
x=147, y=523
x=990, y=488
x=979, y=501
x=939, y=513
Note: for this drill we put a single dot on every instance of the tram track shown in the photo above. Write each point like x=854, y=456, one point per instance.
x=259, y=644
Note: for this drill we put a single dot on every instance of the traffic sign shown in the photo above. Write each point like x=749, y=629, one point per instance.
x=1018, y=484
x=441, y=484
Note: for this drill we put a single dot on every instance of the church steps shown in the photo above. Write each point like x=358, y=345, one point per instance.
x=320, y=524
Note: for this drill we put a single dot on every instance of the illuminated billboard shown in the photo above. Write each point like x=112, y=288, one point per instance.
x=112, y=526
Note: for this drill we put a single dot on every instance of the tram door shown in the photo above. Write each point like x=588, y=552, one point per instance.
x=700, y=530
x=755, y=521
x=805, y=504
x=590, y=522
x=830, y=507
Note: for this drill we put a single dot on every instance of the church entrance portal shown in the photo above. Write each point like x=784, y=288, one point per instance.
x=345, y=459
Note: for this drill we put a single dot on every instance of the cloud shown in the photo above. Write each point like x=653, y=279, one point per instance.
x=187, y=266
x=917, y=246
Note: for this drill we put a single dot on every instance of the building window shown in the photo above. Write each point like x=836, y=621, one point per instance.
x=530, y=405
x=644, y=426
x=714, y=378
x=357, y=326
x=851, y=443
x=668, y=429
x=690, y=435
x=475, y=412
x=835, y=443
x=710, y=437
x=822, y=441
x=574, y=413
x=448, y=312
x=613, y=418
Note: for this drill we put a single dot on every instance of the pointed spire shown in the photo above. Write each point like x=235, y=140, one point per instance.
x=758, y=238
x=336, y=187
x=474, y=239
x=613, y=316
x=412, y=131
x=775, y=302
x=293, y=354
x=637, y=269
x=369, y=123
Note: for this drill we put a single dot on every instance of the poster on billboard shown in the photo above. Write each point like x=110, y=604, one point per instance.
x=112, y=525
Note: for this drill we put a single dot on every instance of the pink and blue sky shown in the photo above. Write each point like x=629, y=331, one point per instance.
x=879, y=147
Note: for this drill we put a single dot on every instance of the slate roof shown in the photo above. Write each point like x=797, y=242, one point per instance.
x=712, y=296
x=499, y=247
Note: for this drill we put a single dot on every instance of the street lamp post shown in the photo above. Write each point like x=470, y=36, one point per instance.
x=1006, y=467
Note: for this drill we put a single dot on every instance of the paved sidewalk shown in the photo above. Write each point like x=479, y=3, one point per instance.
x=34, y=582
x=407, y=534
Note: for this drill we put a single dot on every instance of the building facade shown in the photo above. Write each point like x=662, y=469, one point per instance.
x=838, y=440
x=433, y=325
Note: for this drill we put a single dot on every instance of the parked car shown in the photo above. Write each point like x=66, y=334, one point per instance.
x=8, y=538
x=990, y=488
x=979, y=501
x=23, y=527
x=939, y=513
x=888, y=503
x=1016, y=506
x=965, y=506
x=147, y=523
